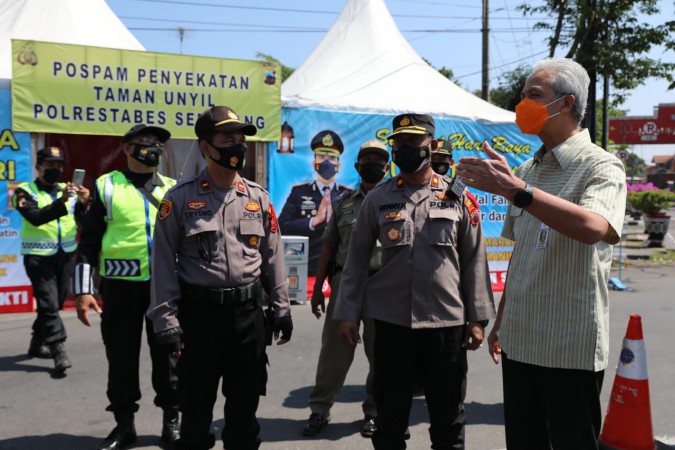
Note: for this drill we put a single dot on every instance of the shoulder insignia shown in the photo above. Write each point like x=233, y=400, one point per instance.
x=164, y=209
x=196, y=205
x=240, y=187
x=252, y=206
x=399, y=182
x=434, y=181
x=472, y=207
x=204, y=185
x=274, y=225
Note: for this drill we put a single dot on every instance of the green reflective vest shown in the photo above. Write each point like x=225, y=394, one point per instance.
x=130, y=222
x=46, y=239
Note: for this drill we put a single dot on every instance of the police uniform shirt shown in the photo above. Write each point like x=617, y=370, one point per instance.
x=434, y=266
x=339, y=228
x=36, y=216
x=217, y=238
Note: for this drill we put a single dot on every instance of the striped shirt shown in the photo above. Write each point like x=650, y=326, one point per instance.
x=557, y=311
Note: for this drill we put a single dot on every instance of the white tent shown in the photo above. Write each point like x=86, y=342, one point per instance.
x=82, y=22
x=364, y=64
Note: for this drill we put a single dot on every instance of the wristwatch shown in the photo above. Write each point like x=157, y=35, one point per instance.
x=524, y=197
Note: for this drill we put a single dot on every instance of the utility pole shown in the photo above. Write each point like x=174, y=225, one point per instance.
x=485, y=86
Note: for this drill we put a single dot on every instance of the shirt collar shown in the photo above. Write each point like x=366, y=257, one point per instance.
x=568, y=150
x=320, y=185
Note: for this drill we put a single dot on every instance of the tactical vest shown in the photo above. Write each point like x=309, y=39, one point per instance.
x=130, y=222
x=46, y=239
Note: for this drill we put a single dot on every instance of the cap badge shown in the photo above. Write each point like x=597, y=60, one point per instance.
x=394, y=234
x=327, y=140
x=405, y=121
x=252, y=206
x=232, y=115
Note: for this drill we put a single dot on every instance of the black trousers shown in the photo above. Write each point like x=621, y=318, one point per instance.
x=49, y=276
x=548, y=408
x=228, y=342
x=435, y=356
x=124, y=307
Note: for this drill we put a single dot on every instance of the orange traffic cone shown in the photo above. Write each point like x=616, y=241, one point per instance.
x=628, y=423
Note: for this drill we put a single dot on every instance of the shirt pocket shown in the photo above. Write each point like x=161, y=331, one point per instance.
x=442, y=227
x=394, y=230
x=202, y=238
x=251, y=231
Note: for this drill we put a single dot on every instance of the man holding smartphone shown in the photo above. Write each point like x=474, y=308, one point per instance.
x=48, y=239
x=117, y=237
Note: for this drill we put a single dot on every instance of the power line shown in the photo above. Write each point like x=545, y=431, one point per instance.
x=316, y=30
x=503, y=65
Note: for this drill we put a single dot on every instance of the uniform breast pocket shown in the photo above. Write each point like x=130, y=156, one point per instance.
x=251, y=231
x=394, y=230
x=202, y=237
x=442, y=227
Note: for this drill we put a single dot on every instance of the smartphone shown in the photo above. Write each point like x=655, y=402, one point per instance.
x=78, y=177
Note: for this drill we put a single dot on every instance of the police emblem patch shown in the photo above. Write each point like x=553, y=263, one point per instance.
x=233, y=161
x=196, y=205
x=274, y=225
x=472, y=207
x=394, y=234
x=164, y=209
x=252, y=206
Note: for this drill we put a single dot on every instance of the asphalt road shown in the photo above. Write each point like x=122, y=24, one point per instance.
x=38, y=411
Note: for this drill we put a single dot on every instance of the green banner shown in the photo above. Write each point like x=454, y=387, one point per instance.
x=61, y=88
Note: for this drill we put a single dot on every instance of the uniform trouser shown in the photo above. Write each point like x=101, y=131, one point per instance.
x=403, y=356
x=335, y=359
x=548, y=408
x=124, y=307
x=228, y=342
x=49, y=276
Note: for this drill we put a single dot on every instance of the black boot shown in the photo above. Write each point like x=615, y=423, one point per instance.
x=61, y=361
x=123, y=434
x=170, y=425
x=39, y=349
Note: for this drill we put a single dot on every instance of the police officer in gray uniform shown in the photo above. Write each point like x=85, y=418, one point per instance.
x=216, y=243
x=432, y=297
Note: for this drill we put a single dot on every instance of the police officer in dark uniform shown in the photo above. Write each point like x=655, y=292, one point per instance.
x=216, y=243
x=117, y=238
x=48, y=239
x=441, y=158
x=310, y=205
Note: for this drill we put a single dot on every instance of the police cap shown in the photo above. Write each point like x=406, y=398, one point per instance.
x=141, y=128
x=413, y=124
x=444, y=148
x=327, y=142
x=50, y=154
x=221, y=118
x=373, y=146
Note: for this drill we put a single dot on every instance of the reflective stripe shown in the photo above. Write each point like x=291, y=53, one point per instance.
x=107, y=196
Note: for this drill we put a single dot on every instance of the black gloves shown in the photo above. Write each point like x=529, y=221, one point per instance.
x=285, y=325
x=171, y=339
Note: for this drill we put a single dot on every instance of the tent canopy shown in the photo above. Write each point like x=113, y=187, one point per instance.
x=364, y=64
x=89, y=22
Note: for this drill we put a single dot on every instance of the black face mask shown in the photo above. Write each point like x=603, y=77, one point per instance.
x=52, y=176
x=147, y=155
x=371, y=172
x=440, y=167
x=326, y=169
x=410, y=159
x=232, y=157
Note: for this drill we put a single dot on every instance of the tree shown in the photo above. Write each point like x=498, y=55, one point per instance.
x=285, y=70
x=606, y=38
x=447, y=73
x=507, y=93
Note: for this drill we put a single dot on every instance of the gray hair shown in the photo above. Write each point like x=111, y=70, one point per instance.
x=569, y=78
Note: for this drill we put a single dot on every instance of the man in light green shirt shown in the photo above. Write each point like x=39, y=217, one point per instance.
x=566, y=212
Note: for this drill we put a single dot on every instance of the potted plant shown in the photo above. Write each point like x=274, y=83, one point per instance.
x=652, y=201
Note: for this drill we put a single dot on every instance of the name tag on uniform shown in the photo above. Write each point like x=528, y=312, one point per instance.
x=542, y=236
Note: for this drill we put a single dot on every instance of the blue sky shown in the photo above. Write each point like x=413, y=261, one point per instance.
x=445, y=32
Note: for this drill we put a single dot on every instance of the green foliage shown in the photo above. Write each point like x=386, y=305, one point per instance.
x=651, y=201
x=507, y=94
x=285, y=70
x=447, y=73
x=606, y=37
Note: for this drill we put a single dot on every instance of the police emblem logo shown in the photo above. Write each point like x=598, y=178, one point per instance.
x=423, y=153
x=233, y=161
x=274, y=225
x=472, y=207
x=393, y=234
x=253, y=241
x=393, y=215
x=164, y=209
x=327, y=140
x=196, y=205
x=252, y=206
x=232, y=115
x=405, y=121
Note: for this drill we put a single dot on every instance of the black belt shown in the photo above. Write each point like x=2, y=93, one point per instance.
x=222, y=296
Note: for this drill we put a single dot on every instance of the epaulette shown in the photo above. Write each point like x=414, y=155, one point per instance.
x=184, y=181
x=471, y=205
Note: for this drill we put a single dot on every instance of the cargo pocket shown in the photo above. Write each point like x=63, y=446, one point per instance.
x=251, y=232
x=394, y=230
x=442, y=227
x=202, y=237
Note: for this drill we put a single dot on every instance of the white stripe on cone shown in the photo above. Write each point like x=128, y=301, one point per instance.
x=633, y=360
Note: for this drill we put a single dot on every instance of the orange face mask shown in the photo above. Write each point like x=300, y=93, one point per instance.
x=531, y=116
